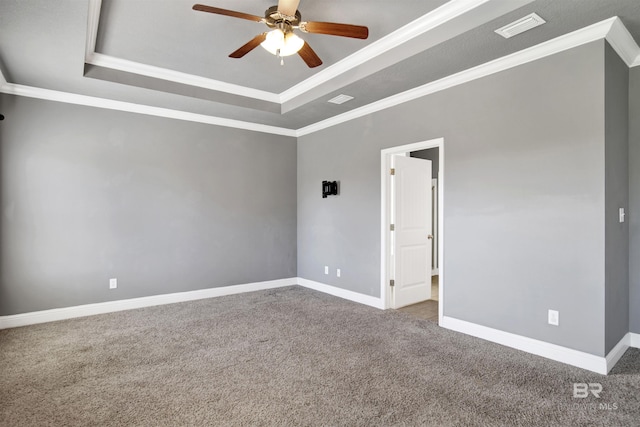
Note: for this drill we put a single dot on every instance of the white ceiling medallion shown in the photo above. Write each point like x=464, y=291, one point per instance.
x=521, y=25
x=340, y=99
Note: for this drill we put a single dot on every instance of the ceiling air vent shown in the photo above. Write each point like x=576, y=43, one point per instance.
x=340, y=99
x=520, y=26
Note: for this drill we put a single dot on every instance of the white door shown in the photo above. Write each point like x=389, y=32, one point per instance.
x=412, y=233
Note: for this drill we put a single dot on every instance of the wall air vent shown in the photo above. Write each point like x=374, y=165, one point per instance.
x=340, y=99
x=520, y=26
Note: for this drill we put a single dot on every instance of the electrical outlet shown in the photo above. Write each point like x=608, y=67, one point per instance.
x=554, y=317
x=113, y=283
x=326, y=269
x=338, y=272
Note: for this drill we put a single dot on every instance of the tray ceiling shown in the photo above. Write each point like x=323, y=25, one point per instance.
x=164, y=55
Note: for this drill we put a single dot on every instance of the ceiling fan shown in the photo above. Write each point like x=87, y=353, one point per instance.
x=281, y=41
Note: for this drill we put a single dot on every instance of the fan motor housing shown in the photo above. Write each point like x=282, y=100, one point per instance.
x=272, y=18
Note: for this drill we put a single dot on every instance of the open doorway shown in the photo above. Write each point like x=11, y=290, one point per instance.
x=412, y=268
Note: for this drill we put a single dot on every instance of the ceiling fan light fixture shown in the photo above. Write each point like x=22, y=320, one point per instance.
x=292, y=44
x=281, y=41
x=281, y=44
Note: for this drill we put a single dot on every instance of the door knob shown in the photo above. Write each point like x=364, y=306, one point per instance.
x=429, y=236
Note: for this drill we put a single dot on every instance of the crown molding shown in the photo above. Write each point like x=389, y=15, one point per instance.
x=612, y=30
x=94, y=58
x=623, y=43
x=93, y=20
x=427, y=22
x=110, y=104
x=577, y=38
x=100, y=60
x=127, y=66
x=434, y=19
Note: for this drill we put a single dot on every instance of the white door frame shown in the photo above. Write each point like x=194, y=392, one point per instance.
x=385, y=209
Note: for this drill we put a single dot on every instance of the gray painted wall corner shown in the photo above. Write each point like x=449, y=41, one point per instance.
x=333, y=231
x=633, y=214
x=518, y=171
x=616, y=197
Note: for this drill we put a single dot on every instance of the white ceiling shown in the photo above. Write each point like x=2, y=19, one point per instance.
x=164, y=55
x=171, y=35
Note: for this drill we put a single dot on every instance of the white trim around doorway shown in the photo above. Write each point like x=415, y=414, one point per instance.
x=385, y=207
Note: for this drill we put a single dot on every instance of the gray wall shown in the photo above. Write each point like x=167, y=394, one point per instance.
x=634, y=200
x=429, y=154
x=163, y=205
x=523, y=197
x=616, y=196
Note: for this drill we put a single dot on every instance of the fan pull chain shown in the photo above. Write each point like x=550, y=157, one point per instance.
x=281, y=57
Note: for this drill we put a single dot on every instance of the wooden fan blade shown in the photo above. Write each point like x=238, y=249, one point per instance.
x=232, y=13
x=333, y=29
x=309, y=56
x=248, y=47
x=288, y=7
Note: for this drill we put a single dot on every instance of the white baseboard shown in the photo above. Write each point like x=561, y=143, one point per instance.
x=634, y=340
x=550, y=351
x=342, y=293
x=24, y=319
x=16, y=320
x=601, y=365
x=618, y=351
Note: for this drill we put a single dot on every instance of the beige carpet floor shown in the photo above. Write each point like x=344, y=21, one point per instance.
x=290, y=357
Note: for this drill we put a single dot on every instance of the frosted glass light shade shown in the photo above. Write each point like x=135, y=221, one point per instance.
x=287, y=45
x=274, y=41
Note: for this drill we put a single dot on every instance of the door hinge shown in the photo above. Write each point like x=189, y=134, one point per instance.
x=393, y=171
x=392, y=282
x=392, y=227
